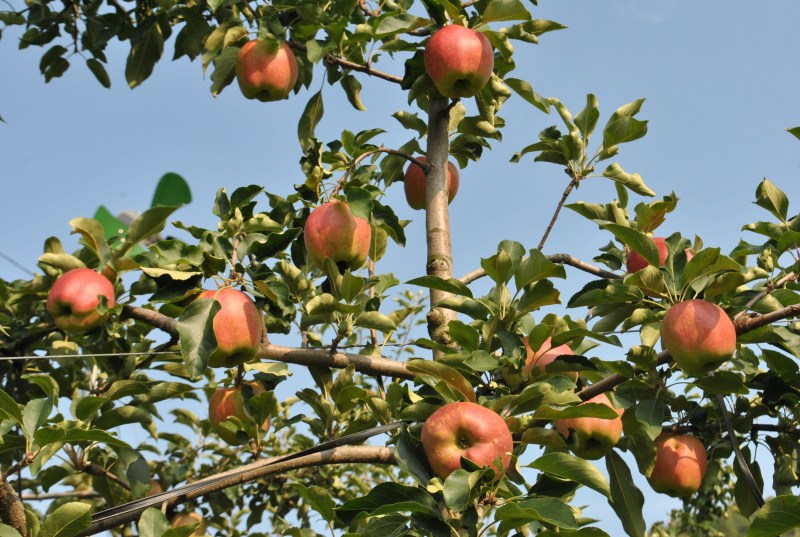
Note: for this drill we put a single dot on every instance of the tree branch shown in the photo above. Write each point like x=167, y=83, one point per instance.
x=251, y=472
x=339, y=360
x=347, y=64
x=58, y=495
x=564, y=196
x=564, y=259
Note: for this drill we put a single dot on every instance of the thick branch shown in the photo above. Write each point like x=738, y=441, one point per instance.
x=320, y=357
x=245, y=474
x=746, y=324
x=564, y=259
x=151, y=317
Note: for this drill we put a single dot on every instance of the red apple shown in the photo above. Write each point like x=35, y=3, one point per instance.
x=536, y=362
x=636, y=262
x=237, y=328
x=591, y=438
x=465, y=430
x=155, y=487
x=680, y=465
x=266, y=70
x=186, y=519
x=459, y=60
x=229, y=402
x=699, y=335
x=74, y=298
x=332, y=232
x=414, y=184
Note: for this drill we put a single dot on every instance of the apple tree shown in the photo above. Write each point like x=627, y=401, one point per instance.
x=465, y=412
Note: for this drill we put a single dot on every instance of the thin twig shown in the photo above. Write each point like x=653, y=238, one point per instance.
x=564, y=196
x=87, y=494
x=347, y=64
x=770, y=287
x=564, y=259
x=743, y=466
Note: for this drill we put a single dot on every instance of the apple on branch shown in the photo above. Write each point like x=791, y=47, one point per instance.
x=237, y=328
x=459, y=61
x=699, y=335
x=537, y=362
x=266, y=70
x=466, y=430
x=230, y=402
x=333, y=233
x=591, y=438
x=680, y=465
x=415, y=179
x=74, y=297
x=636, y=262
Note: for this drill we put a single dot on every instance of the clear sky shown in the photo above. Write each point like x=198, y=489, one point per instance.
x=720, y=78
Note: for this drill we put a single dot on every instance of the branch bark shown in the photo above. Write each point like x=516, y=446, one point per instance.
x=564, y=259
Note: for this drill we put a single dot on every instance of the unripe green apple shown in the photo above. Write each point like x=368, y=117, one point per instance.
x=636, y=262
x=466, y=430
x=186, y=519
x=74, y=298
x=237, y=328
x=459, y=61
x=266, y=70
x=536, y=362
x=591, y=438
x=680, y=465
x=414, y=184
x=332, y=232
x=229, y=402
x=699, y=335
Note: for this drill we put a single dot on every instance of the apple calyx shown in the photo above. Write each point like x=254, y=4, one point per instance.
x=699, y=335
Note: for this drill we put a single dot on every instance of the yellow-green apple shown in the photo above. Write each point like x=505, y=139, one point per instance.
x=459, y=60
x=332, y=232
x=187, y=519
x=699, y=335
x=536, y=362
x=229, y=402
x=636, y=262
x=680, y=464
x=414, y=184
x=466, y=430
x=591, y=438
x=237, y=328
x=74, y=298
x=266, y=70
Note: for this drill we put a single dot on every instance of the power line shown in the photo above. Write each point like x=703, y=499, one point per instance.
x=99, y=355
x=16, y=264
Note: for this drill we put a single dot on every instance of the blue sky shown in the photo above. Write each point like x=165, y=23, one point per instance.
x=720, y=79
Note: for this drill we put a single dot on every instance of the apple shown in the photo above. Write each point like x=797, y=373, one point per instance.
x=266, y=70
x=459, y=60
x=74, y=298
x=636, y=262
x=229, y=402
x=536, y=362
x=466, y=430
x=237, y=328
x=680, y=464
x=414, y=184
x=332, y=232
x=155, y=487
x=591, y=438
x=186, y=519
x=699, y=335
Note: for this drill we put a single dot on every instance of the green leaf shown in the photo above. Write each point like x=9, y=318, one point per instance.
x=626, y=499
x=196, y=330
x=9, y=409
x=35, y=413
x=318, y=498
x=548, y=510
x=152, y=523
x=794, y=131
x=636, y=240
x=411, y=121
x=457, y=488
x=773, y=199
x=777, y=516
x=505, y=10
x=352, y=89
x=310, y=119
x=68, y=520
x=8, y=531
x=567, y=466
x=399, y=23
x=150, y=223
x=147, y=47
x=99, y=72
x=586, y=120
x=376, y=320
x=93, y=236
x=585, y=410
x=445, y=373
x=388, y=498
x=622, y=127
x=224, y=69
x=632, y=181
x=450, y=285
x=536, y=267
x=525, y=90
x=172, y=190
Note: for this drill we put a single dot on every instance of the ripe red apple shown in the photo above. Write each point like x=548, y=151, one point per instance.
x=227, y=402
x=459, y=60
x=591, y=438
x=332, y=232
x=266, y=70
x=699, y=335
x=680, y=465
x=73, y=299
x=414, y=184
x=536, y=362
x=636, y=262
x=465, y=430
x=186, y=519
x=237, y=328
